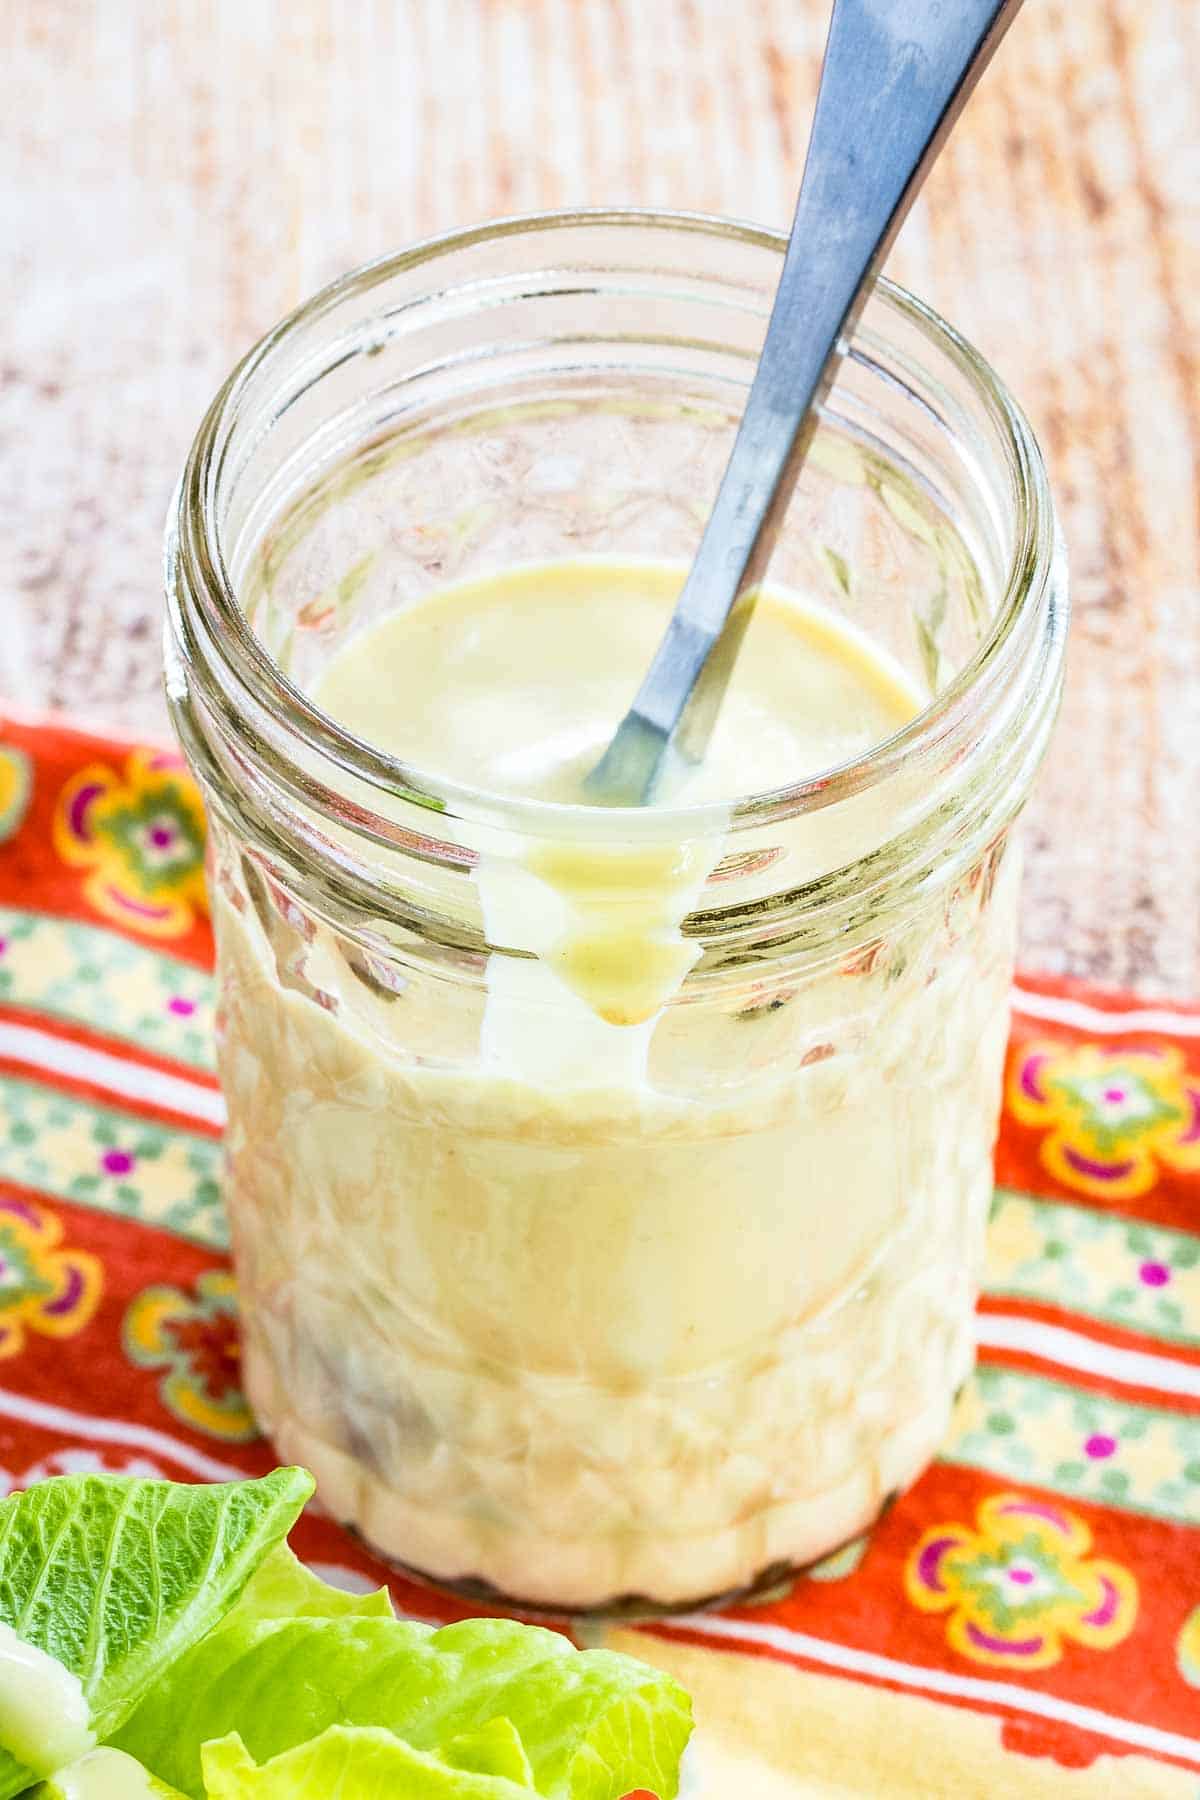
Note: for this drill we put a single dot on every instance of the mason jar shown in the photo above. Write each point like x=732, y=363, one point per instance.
x=564, y=1312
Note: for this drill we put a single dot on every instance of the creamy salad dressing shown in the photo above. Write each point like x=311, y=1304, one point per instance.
x=515, y=684
x=107, y=1775
x=45, y=1721
x=533, y=1316
x=602, y=967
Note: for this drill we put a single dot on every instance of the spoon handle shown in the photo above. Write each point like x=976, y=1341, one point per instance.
x=896, y=75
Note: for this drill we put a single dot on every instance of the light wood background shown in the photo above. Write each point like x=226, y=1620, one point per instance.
x=177, y=173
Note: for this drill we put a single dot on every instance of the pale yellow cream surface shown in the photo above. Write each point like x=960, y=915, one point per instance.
x=104, y=1775
x=44, y=1717
x=559, y=1286
x=516, y=684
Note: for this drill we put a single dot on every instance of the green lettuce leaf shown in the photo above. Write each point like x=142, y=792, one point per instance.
x=104, y=1775
x=346, y=1763
x=116, y=1577
x=284, y=1589
x=494, y=1749
x=593, y=1725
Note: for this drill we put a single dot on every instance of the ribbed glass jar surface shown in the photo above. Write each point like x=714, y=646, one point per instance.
x=584, y=1315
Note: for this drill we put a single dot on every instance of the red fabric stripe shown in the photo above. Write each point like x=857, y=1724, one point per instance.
x=1106, y=1000
x=1087, y=1325
x=95, y=1093
x=1069, y=1376
x=1024, y=1732
x=123, y=1048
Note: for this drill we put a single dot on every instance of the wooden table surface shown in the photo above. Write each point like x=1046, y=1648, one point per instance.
x=176, y=176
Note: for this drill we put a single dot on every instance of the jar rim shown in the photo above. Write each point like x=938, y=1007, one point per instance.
x=1027, y=578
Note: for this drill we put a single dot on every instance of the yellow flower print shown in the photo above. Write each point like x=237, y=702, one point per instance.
x=194, y=1340
x=1021, y=1585
x=1113, y=1116
x=1187, y=1650
x=16, y=784
x=43, y=1288
x=140, y=834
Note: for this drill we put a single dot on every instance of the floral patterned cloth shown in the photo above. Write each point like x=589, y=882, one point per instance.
x=1025, y=1620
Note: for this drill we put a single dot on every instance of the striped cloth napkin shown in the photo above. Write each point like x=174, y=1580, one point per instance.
x=1025, y=1621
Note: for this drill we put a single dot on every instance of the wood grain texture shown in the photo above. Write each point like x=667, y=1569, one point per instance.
x=176, y=176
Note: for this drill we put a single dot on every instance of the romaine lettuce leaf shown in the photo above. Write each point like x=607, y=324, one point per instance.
x=494, y=1749
x=284, y=1589
x=593, y=1725
x=116, y=1577
x=347, y=1763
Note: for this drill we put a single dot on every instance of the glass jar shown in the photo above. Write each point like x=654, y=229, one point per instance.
x=576, y=1314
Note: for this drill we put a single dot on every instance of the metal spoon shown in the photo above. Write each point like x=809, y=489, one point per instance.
x=897, y=74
